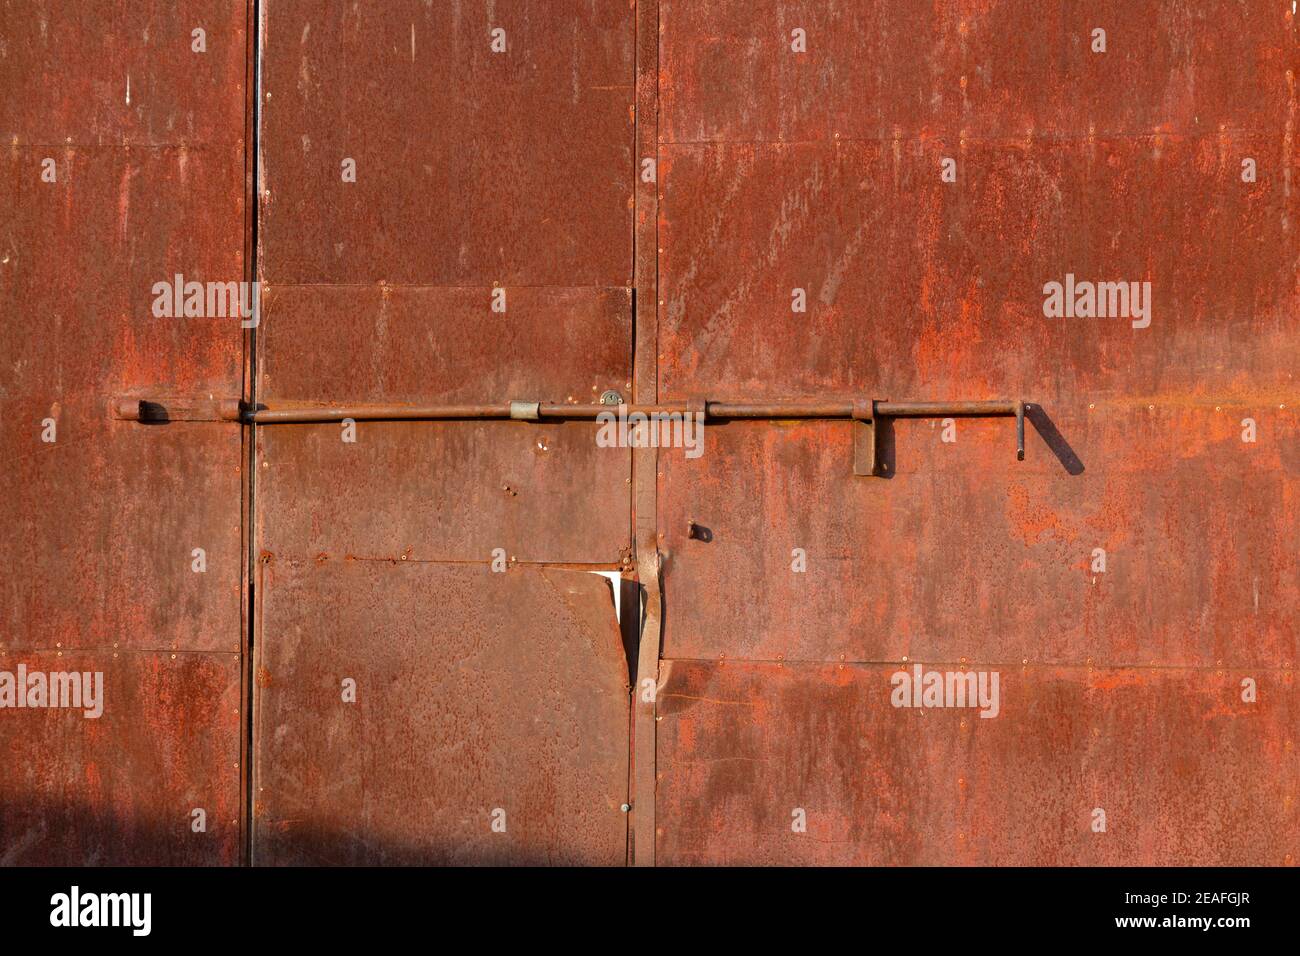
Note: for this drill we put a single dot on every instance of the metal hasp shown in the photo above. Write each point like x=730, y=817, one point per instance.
x=864, y=413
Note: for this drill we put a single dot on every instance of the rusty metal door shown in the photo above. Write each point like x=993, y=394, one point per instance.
x=446, y=216
x=850, y=235
x=915, y=176
x=124, y=148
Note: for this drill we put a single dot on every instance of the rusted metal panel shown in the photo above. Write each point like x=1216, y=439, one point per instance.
x=436, y=344
x=106, y=552
x=121, y=788
x=916, y=288
x=448, y=229
x=932, y=289
x=1002, y=68
x=97, y=522
x=476, y=692
x=1170, y=444
x=1185, y=770
x=81, y=255
x=473, y=167
x=107, y=73
x=483, y=254
x=451, y=491
x=105, y=190
x=969, y=553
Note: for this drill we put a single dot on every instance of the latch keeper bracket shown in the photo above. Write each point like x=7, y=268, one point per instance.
x=865, y=461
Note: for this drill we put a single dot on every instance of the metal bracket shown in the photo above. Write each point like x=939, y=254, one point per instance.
x=1020, y=431
x=865, y=461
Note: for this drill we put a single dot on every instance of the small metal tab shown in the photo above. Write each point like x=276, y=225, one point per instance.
x=864, y=438
x=526, y=411
x=611, y=397
x=1020, y=431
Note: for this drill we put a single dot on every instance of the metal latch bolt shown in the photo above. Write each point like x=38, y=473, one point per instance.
x=865, y=414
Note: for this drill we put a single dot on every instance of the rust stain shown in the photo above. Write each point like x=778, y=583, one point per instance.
x=1031, y=521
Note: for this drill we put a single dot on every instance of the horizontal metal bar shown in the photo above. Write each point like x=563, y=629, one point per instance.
x=997, y=409
x=519, y=411
x=211, y=409
x=285, y=414
x=864, y=413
